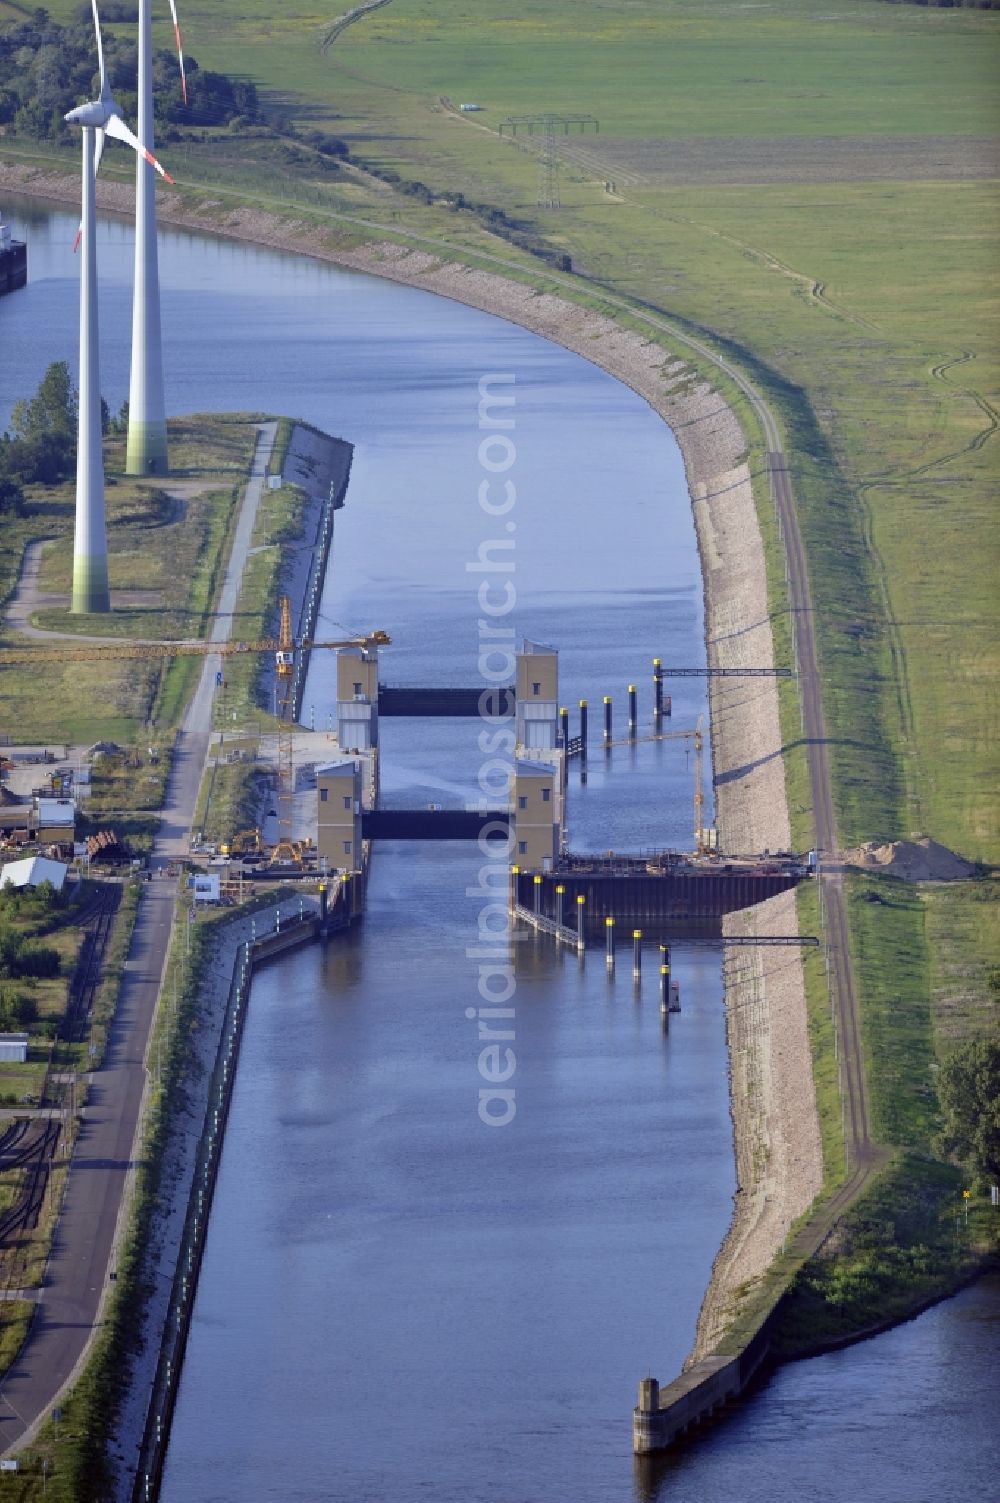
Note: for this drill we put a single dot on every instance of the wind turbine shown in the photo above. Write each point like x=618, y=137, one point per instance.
x=146, y=449
x=98, y=120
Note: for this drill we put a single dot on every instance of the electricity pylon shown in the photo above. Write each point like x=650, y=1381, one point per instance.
x=548, y=158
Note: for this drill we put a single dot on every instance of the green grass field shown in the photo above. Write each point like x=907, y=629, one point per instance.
x=168, y=548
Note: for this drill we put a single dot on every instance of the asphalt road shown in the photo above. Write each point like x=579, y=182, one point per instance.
x=69, y=1308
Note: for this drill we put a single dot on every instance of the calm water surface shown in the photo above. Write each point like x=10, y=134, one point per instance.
x=396, y=1302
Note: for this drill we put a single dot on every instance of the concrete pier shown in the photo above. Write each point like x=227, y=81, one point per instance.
x=664, y=1416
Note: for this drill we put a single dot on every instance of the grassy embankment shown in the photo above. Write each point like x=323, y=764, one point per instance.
x=859, y=304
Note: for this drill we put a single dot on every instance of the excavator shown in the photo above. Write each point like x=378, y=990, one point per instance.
x=244, y=843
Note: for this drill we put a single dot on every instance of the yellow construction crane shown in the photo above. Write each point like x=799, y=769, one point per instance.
x=101, y=652
x=284, y=647
x=286, y=848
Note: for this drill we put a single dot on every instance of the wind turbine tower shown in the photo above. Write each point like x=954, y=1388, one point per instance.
x=98, y=120
x=90, y=540
x=146, y=449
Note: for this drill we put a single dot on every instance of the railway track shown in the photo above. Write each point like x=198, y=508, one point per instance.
x=97, y=921
x=861, y=1153
x=14, y=1133
x=28, y=1145
x=35, y=1159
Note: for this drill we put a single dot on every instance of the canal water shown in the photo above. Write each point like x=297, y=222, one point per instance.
x=398, y=1302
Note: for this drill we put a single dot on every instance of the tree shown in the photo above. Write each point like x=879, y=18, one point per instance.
x=11, y=1006
x=53, y=407
x=969, y=1092
x=19, y=958
x=43, y=450
x=24, y=1010
x=11, y=496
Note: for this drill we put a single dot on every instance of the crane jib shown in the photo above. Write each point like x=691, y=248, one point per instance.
x=99, y=652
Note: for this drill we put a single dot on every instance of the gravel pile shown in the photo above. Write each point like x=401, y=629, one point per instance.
x=912, y=860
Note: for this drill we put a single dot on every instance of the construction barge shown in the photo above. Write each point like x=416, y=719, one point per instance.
x=13, y=261
x=667, y=888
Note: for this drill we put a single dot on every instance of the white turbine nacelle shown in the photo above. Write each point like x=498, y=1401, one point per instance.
x=104, y=115
x=96, y=114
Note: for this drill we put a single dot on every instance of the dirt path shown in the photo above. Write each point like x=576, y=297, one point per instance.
x=342, y=22
x=29, y=598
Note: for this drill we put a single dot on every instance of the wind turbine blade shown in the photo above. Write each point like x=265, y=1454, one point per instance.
x=180, y=50
x=116, y=127
x=100, y=44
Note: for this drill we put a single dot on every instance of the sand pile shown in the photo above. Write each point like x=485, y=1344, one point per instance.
x=912, y=860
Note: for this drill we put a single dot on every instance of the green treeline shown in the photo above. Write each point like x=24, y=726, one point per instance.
x=47, y=69
x=951, y=4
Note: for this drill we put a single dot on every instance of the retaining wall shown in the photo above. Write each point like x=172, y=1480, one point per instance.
x=295, y=931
